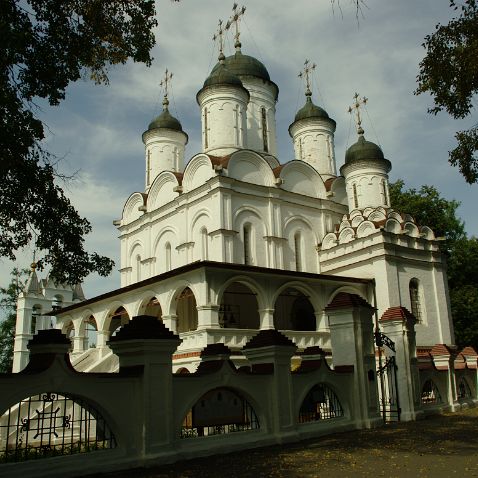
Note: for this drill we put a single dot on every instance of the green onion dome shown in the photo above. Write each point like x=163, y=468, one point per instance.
x=165, y=120
x=364, y=150
x=245, y=65
x=311, y=110
x=221, y=75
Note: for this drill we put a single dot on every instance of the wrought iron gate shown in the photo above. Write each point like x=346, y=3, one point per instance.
x=387, y=375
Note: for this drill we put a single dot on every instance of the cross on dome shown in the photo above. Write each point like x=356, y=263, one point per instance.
x=237, y=13
x=165, y=83
x=220, y=36
x=305, y=73
x=356, y=106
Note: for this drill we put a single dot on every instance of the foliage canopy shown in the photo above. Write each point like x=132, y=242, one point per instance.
x=449, y=72
x=46, y=45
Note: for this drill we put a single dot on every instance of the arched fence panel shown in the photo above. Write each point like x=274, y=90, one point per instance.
x=430, y=394
x=321, y=403
x=217, y=412
x=463, y=389
x=52, y=424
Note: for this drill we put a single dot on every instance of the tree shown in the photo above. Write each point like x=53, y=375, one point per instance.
x=428, y=208
x=449, y=72
x=8, y=302
x=46, y=45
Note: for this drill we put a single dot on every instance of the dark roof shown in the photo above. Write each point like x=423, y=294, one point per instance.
x=213, y=350
x=267, y=338
x=343, y=300
x=50, y=336
x=143, y=327
x=397, y=313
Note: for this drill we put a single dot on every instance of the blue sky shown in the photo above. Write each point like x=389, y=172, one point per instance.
x=97, y=129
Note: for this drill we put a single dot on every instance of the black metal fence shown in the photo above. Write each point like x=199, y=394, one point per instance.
x=51, y=424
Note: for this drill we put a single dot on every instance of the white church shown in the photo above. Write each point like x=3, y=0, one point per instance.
x=236, y=240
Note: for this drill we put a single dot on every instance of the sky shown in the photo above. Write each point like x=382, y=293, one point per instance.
x=97, y=130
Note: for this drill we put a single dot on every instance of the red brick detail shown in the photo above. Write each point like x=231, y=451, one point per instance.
x=186, y=355
x=278, y=170
x=219, y=160
x=440, y=349
x=179, y=177
x=397, y=313
x=469, y=352
x=344, y=300
x=328, y=183
x=423, y=352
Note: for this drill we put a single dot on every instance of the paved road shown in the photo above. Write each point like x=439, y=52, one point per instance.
x=439, y=446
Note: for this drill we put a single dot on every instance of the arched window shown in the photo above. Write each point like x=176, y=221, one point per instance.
x=204, y=248
x=168, y=256
x=247, y=244
x=415, y=301
x=354, y=187
x=298, y=252
x=264, y=129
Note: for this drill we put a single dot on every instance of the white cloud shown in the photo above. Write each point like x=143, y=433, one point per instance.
x=99, y=128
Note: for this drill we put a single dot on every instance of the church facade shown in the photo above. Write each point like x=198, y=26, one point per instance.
x=237, y=241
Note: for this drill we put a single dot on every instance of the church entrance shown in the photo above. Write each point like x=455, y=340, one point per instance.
x=293, y=311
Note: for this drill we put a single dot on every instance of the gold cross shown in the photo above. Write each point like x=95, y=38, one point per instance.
x=220, y=36
x=358, y=102
x=308, y=69
x=237, y=13
x=165, y=82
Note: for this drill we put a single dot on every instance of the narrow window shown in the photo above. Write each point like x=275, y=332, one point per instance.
x=204, y=251
x=384, y=190
x=298, y=252
x=415, y=299
x=247, y=244
x=148, y=168
x=168, y=256
x=36, y=313
x=138, y=268
x=264, y=129
x=301, y=152
x=205, y=129
x=354, y=186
